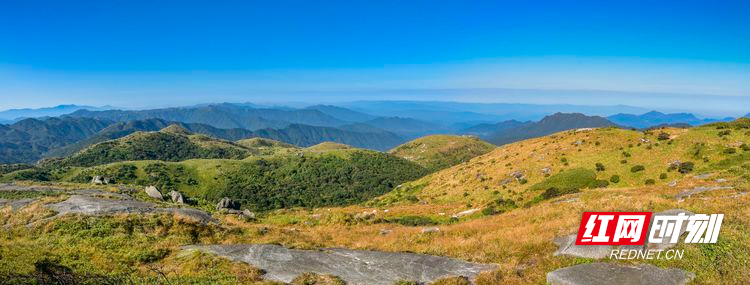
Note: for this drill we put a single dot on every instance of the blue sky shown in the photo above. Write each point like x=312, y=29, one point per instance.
x=158, y=53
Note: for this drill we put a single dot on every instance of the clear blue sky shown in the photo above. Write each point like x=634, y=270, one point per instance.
x=141, y=53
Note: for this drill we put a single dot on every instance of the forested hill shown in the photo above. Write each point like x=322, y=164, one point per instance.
x=225, y=116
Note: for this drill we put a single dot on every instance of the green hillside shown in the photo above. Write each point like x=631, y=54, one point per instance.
x=442, y=151
x=316, y=179
x=171, y=144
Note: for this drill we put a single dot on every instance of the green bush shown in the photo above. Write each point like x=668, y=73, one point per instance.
x=663, y=176
x=730, y=150
x=614, y=179
x=637, y=168
x=574, y=178
x=555, y=192
x=499, y=206
x=650, y=182
x=686, y=167
x=663, y=136
x=745, y=147
x=600, y=166
x=411, y=221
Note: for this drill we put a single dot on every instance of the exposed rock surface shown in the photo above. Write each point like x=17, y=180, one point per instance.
x=355, y=267
x=608, y=273
x=224, y=204
x=686, y=194
x=15, y=205
x=96, y=206
x=567, y=246
x=152, y=192
x=99, y=180
x=176, y=197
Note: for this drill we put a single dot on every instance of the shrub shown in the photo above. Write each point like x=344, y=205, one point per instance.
x=626, y=154
x=555, y=192
x=650, y=182
x=637, y=168
x=624, y=161
x=745, y=147
x=574, y=178
x=499, y=206
x=663, y=136
x=614, y=179
x=601, y=183
x=663, y=176
x=600, y=166
x=411, y=221
x=730, y=150
x=724, y=133
x=686, y=167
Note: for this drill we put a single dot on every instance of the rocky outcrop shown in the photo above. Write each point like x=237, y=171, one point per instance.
x=225, y=204
x=97, y=206
x=700, y=189
x=609, y=273
x=99, y=180
x=152, y=192
x=355, y=267
x=176, y=197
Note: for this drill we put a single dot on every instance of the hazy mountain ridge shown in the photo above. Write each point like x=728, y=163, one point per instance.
x=551, y=124
x=486, y=130
x=655, y=118
x=14, y=115
x=225, y=116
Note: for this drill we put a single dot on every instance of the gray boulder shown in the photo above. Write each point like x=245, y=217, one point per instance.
x=152, y=192
x=567, y=246
x=430, y=230
x=225, y=204
x=609, y=273
x=355, y=267
x=176, y=197
x=99, y=180
x=247, y=214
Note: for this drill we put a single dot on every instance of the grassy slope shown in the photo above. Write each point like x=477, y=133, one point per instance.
x=442, y=151
x=486, y=178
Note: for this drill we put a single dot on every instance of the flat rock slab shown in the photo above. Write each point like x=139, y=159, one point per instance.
x=17, y=204
x=697, y=190
x=96, y=206
x=567, y=246
x=608, y=273
x=352, y=266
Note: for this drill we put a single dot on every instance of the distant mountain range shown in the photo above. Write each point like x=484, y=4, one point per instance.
x=29, y=140
x=654, y=118
x=456, y=112
x=225, y=116
x=548, y=125
x=13, y=115
x=378, y=125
